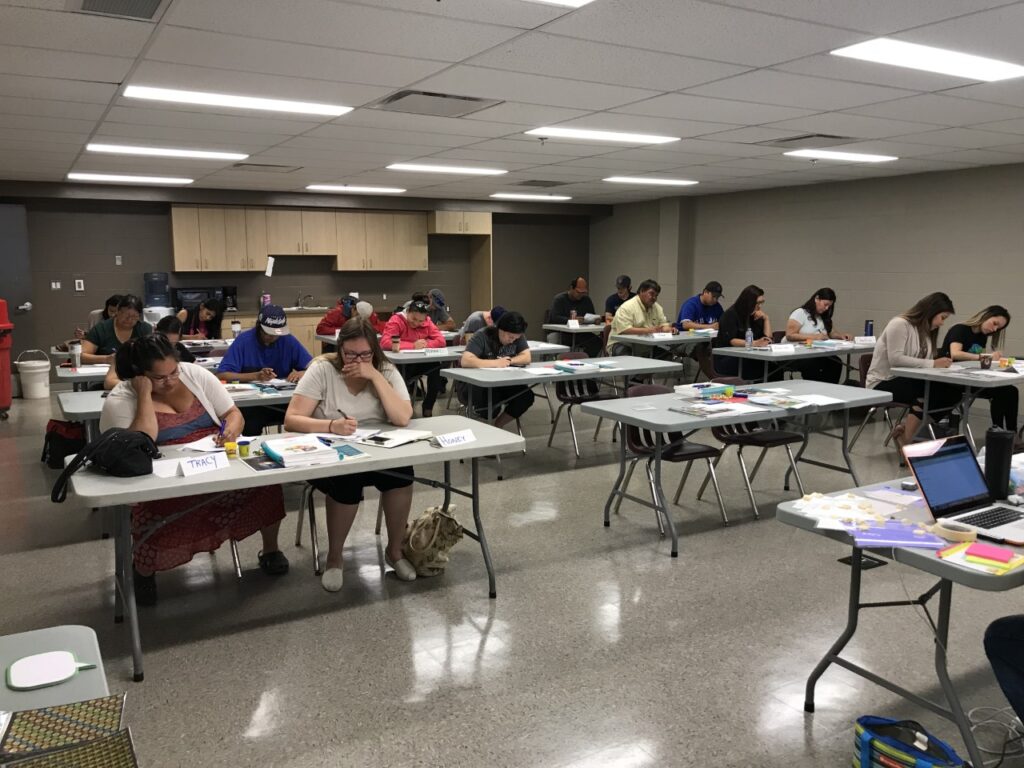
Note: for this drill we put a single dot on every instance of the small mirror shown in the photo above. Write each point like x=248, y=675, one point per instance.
x=43, y=669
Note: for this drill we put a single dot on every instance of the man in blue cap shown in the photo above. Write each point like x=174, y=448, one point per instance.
x=265, y=352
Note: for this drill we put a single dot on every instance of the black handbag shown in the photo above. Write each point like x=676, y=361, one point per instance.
x=118, y=452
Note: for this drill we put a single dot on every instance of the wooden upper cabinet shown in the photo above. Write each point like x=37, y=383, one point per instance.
x=185, y=238
x=319, y=233
x=284, y=232
x=256, y=239
x=380, y=240
x=351, y=232
x=236, y=256
x=459, y=223
x=211, y=239
x=410, y=251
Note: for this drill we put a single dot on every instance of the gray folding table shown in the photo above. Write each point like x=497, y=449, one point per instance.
x=574, y=332
x=85, y=684
x=784, y=359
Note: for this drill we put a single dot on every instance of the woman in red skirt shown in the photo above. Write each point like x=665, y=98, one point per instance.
x=174, y=403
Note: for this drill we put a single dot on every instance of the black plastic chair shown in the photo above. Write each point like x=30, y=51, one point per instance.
x=573, y=392
x=864, y=363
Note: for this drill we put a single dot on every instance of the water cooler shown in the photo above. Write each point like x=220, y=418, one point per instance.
x=156, y=301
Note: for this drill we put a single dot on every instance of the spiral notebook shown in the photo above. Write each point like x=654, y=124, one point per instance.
x=36, y=731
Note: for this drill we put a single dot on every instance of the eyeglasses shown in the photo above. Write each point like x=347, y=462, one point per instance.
x=361, y=356
x=172, y=376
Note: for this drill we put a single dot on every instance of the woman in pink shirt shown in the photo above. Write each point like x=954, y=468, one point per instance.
x=413, y=329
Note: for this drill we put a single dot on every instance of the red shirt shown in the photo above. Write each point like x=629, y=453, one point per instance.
x=331, y=323
x=398, y=325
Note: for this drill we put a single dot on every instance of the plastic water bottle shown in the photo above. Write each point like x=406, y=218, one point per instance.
x=748, y=338
x=869, y=327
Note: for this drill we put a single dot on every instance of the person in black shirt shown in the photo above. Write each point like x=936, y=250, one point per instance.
x=499, y=346
x=575, y=300
x=968, y=340
x=623, y=293
x=746, y=312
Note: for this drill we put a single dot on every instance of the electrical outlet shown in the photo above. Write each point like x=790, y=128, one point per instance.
x=117, y=260
x=55, y=285
x=79, y=285
x=384, y=297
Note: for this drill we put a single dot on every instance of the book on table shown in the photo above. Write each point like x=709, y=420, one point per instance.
x=242, y=391
x=575, y=366
x=396, y=437
x=299, y=451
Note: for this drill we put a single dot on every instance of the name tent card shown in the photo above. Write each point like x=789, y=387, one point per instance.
x=453, y=439
x=197, y=465
x=864, y=339
x=661, y=335
x=573, y=324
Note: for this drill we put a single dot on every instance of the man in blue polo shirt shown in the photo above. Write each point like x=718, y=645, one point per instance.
x=265, y=352
x=702, y=311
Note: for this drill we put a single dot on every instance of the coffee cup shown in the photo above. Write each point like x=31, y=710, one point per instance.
x=236, y=328
x=985, y=360
x=396, y=343
x=75, y=348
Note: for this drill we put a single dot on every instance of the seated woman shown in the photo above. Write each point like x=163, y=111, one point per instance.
x=202, y=322
x=415, y=330
x=813, y=321
x=106, y=337
x=176, y=403
x=341, y=391
x=968, y=340
x=99, y=315
x=908, y=341
x=746, y=312
x=170, y=328
x=499, y=346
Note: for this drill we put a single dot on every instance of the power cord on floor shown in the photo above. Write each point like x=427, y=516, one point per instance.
x=1006, y=726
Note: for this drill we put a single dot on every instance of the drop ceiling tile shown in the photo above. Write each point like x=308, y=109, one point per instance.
x=38, y=62
x=791, y=90
x=966, y=138
x=994, y=33
x=178, y=117
x=758, y=163
x=501, y=159
x=854, y=126
x=78, y=32
x=533, y=145
x=840, y=68
x=544, y=54
x=901, y=149
x=171, y=136
x=941, y=110
x=42, y=138
x=164, y=75
x=210, y=49
x=52, y=5
x=1013, y=149
x=662, y=126
x=522, y=15
x=666, y=159
x=718, y=172
x=379, y=135
x=526, y=115
x=687, y=107
x=11, y=105
x=979, y=157
x=27, y=143
x=751, y=135
x=94, y=163
x=515, y=86
x=79, y=91
x=702, y=30
x=459, y=126
x=341, y=25
x=1003, y=126
x=611, y=167
x=725, y=149
x=880, y=17
x=1004, y=92
x=36, y=122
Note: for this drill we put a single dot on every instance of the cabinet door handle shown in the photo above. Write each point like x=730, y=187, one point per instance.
x=206, y=263
x=198, y=266
x=298, y=247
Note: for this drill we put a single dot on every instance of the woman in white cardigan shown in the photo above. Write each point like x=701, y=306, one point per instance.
x=175, y=402
x=910, y=341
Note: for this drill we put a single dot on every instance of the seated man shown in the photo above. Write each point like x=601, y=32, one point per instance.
x=640, y=315
x=414, y=330
x=702, y=311
x=482, y=318
x=499, y=346
x=265, y=352
x=622, y=294
x=576, y=304
x=343, y=311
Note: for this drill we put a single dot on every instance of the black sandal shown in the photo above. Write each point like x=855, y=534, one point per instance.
x=273, y=563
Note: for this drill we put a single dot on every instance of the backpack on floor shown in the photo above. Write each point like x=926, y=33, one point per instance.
x=899, y=744
x=63, y=439
x=429, y=539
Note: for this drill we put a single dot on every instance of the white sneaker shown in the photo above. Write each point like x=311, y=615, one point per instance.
x=332, y=579
x=404, y=570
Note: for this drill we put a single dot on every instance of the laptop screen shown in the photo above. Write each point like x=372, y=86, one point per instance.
x=949, y=476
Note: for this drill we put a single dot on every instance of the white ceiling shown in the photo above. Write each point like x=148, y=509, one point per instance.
x=719, y=74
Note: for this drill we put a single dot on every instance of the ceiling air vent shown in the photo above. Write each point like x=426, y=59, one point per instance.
x=539, y=183
x=436, y=104
x=807, y=141
x=266, y=167
x=143, y=10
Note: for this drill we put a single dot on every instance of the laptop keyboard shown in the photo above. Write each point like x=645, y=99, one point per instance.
x=992, y=517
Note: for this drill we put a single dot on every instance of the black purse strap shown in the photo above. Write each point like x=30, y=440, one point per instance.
x=60, y=487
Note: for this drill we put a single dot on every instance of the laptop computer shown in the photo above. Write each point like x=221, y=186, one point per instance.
x=954, y=487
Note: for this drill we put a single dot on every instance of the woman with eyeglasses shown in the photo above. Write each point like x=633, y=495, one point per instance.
x=174, y=403
x=342, y=391
x=746, y=312
x=106, y=337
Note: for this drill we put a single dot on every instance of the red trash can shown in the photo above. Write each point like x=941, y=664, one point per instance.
x=6, y=342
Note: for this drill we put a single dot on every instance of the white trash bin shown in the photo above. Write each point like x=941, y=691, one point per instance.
x=34, y=375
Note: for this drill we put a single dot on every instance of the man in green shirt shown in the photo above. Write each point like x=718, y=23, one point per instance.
x=640, y=315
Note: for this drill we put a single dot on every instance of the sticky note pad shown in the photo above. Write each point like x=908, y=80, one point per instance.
x=989, y=552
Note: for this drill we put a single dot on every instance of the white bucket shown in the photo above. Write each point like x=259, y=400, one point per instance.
x=35, y=375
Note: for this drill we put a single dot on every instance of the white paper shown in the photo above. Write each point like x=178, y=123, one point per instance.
x=745, y=408
x=573, y=323
x=541, y=371
x=167, y=467
x=893, y=497
x=456, y=438
x=819, y=399
x=197, y=465
x=270, y=266
x=204, y=445
x=827, y=524
x=591, y=318
x=359, y=434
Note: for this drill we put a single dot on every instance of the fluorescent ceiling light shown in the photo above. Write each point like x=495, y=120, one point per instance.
x=355, y=189
x=847, y=157
x=120, y=178
x=426, y=168
x=234, y=102
x=566, y=3
x=650, y=180
x=199, y=154
x=522, y=196
x=900, y=54
x=592, y=135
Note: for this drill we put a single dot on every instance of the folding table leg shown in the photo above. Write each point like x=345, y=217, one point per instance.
x=475, y=471
x=852, y=614
x=127, y=557
x=613, y=496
